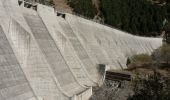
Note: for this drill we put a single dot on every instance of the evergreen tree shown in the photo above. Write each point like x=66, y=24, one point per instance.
x=140, y=17
x=155, y=87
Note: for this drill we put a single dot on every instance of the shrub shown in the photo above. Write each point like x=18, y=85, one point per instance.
x=83, y=7
x=139, y=17
x=153, y=87
x=141, y=58
x=165, y=52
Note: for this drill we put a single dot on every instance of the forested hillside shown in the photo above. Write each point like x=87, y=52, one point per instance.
x=141, y=17
x=83, y=7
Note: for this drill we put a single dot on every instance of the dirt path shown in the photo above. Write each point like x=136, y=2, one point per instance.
x=61, y=5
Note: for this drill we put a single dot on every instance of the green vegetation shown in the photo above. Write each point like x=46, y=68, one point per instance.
x=160, y=58
x=165, y=53
x=154, y=87
x=134, y=16
x=50, y=2
x=152, y=81
x=83, y=7
x=162, y=55
x=141, y=17
x=141, y=58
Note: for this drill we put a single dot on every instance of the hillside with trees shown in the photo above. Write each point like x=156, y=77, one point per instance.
x=140, y=17
x=83, y=7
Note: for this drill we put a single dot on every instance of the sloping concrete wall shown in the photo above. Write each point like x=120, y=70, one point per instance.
x=65, y=46
x=114, y=44
x=13, y=83
x=30, y=57
x=52, y=54
x=47, y=57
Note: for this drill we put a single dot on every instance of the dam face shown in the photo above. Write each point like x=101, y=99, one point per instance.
x=48, y=57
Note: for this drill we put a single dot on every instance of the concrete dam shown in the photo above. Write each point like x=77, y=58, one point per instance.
x=47, y=57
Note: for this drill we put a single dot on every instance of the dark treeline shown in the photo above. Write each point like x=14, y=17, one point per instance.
x=141, y=17
x=135, y=16
x=83, y=7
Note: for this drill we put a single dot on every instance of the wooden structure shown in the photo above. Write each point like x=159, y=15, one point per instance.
x=117, y=76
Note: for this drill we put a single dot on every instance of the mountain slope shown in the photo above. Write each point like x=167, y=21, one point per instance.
x=141, y=17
